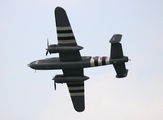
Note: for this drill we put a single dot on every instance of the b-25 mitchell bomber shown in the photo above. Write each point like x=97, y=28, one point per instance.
x=73, y=64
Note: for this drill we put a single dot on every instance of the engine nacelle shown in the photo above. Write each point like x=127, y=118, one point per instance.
x=59, y=48
x=67, y=79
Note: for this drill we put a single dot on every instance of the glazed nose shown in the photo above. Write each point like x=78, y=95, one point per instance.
x=31, y=65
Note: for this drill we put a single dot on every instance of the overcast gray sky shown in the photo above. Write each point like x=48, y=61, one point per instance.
x=24, y=28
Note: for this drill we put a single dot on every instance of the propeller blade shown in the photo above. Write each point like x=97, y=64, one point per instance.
x=47, y=47
x=47, y=52
x=47, y=42
x=54, y=85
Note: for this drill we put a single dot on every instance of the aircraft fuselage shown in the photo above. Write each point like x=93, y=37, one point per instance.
x=87, y=61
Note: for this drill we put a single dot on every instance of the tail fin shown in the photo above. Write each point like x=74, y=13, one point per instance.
x=117, y=53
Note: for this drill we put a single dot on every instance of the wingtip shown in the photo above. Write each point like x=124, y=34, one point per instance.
x=81, y=110
x=58, y=8
x=78, y=103
x=61, y=17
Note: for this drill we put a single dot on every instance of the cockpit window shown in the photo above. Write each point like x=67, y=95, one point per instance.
x=34, y=62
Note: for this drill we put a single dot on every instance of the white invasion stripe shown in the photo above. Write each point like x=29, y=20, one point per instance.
x=64, y=28
x=66, y=41
x=76, y=88
x=77, y=94
x=107, y=61
x=65, y=35
x=92, y=62
x=99, y=61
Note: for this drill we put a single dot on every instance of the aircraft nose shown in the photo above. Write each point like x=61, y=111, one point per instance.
x=28, y=65
x=31, y=65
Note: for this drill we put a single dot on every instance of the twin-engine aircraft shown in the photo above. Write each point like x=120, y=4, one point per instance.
x=73, y=64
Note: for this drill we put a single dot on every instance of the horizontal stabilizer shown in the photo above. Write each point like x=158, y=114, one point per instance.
x=117, y=54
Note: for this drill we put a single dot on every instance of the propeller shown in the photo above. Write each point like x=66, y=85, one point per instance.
x=47, y=47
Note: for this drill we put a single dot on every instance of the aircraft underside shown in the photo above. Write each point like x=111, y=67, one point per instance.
x=72, y=63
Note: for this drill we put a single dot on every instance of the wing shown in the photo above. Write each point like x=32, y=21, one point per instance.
x=76, y=89
x=65, y=35
x=77, y=95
